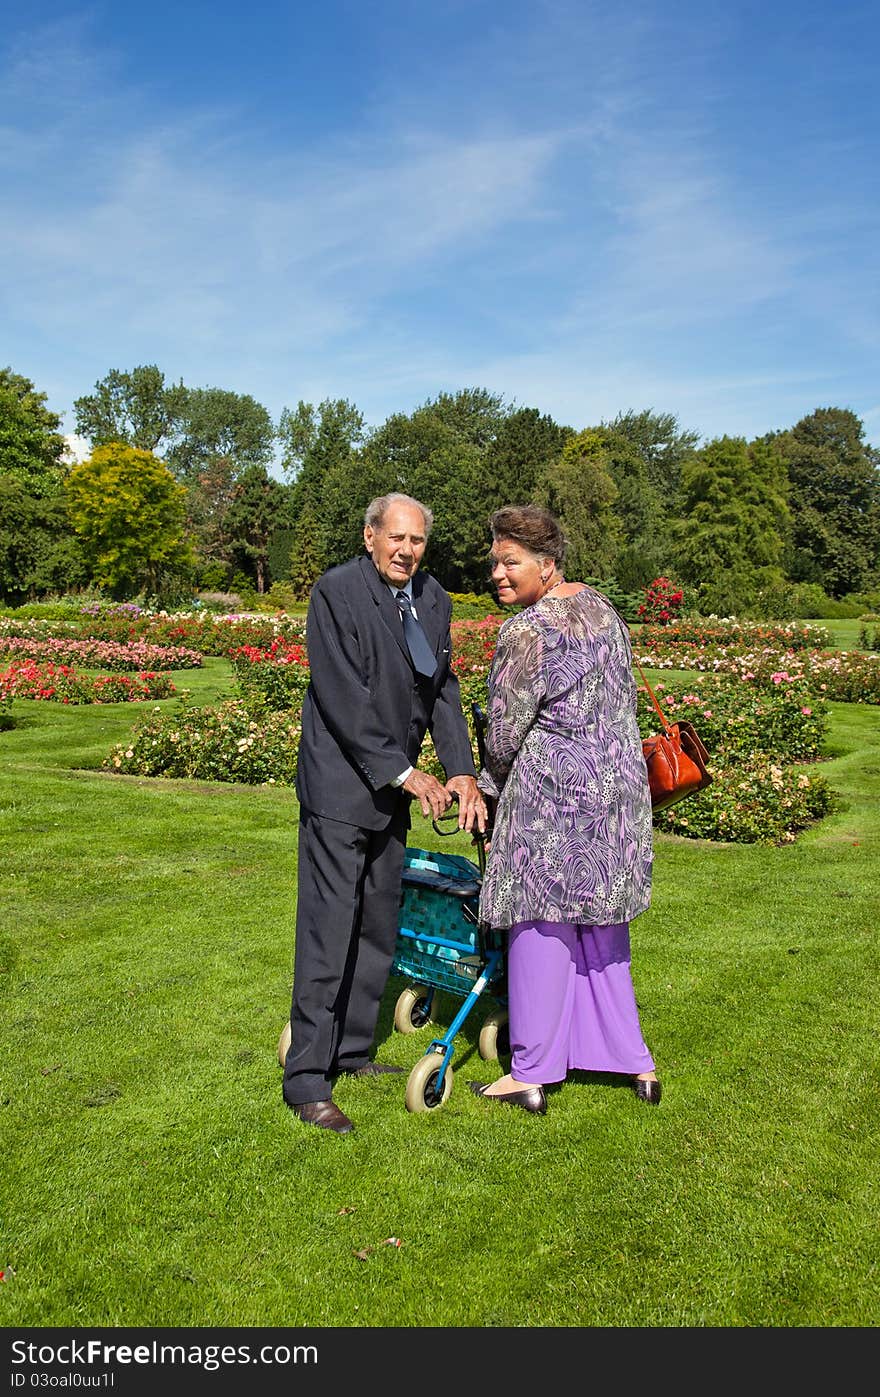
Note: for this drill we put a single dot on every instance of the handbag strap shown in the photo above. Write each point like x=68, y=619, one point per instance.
x=666, y=724
x=625, y=628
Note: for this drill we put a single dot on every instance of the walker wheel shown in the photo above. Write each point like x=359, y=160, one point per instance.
x=411, y=1011
x=494, y=1036
x=284, y=1043
x=421, y=1084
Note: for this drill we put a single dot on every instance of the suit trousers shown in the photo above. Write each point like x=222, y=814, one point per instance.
x=348, y=909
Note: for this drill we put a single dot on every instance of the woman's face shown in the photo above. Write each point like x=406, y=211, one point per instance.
x=517, y=572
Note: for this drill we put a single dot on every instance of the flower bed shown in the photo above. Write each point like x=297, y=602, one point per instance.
x=845, y=675
x=209, y=634
x=794, y=635
x=102, y=654
x=225, y=743
x=25, y=679
x=740, y=720
x=754, y=739
x=756, y=721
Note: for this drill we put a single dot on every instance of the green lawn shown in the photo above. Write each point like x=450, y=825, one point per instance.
x=844, y=633
x=153, y=1177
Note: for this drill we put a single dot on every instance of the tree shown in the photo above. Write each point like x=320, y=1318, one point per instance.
x=31, y=446
x=319, y=447
x=835, y=501
x=307, y=559
x=38, y=554
x=258, y=508
x=580, y=490
x=640, y=516
x=649, y=496
x=662, y=444
x=729, y=541
x=307, y=433
x=207, y=502
x=437, y=454
x=214, y=426
x=128, y=512
x=136, y=408
x=515, y=459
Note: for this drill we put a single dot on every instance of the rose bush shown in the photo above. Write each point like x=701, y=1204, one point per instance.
x=205, y=632
x=275, y=677
x=739, y=720
x=224, y=743
x=755, y=801
x=663, y=602
x=847, y=676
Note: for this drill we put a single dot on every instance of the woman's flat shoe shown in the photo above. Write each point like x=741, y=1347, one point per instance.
x=647, y=1089
x=532, y=1099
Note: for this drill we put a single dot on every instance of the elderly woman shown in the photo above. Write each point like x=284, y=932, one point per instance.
x=569, y=864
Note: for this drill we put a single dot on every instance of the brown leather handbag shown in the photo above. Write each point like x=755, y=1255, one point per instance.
x=675, y=758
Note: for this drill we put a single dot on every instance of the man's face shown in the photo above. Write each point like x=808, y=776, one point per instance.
x=398, y=545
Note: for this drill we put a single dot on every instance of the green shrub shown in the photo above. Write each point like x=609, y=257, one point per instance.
x=627, y=603
x=244, y=587
x=59, y=609
x=211, y=577
x=281, y=596
x=468, y=606
x=220, y=603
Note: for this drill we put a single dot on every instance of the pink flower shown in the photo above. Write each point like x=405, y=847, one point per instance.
x=807, y=711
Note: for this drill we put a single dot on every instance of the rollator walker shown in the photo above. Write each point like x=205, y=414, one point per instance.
x=442, y=945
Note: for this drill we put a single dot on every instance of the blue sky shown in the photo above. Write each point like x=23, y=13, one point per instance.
x=584, y=207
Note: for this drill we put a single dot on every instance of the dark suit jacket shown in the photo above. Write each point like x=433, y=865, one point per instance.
x=366, y=710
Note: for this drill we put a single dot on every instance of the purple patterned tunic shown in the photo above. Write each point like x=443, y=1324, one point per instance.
x=572, y=840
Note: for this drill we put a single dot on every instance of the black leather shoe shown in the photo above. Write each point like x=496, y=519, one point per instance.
x=371, y=1069
x=647, y=1090
x=532, y=1099
x=325, y=1114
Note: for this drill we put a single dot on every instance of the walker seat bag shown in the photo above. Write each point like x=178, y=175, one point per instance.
x=438, y=939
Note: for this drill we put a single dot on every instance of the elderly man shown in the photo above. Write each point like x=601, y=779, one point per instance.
x=378, y=637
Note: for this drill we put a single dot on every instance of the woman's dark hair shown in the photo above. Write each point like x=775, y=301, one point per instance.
x=532, y=527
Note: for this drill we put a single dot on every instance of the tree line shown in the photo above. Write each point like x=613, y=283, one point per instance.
x=179, y=495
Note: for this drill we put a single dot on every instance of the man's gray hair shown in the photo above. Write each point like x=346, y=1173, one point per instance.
x=378, y=508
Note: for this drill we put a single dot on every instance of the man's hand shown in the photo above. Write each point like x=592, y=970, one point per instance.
x=471, y=805
x=433, y=798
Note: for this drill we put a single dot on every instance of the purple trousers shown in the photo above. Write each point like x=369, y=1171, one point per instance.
x=571, y=1002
